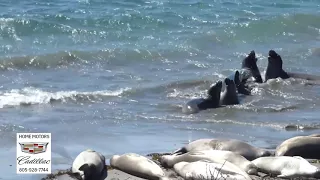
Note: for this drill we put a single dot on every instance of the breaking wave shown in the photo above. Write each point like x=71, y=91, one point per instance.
x=31, y=96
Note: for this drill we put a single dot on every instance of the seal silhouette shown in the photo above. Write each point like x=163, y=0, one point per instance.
x=211, y=101
x=236, y=146
x=240, y=86
x=304, y=146
x=250, y=68
x=229, y=96
x=89, y=165
x=286, y=166
x=275, y=70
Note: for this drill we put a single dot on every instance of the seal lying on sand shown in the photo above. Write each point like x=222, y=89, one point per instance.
x=304, y=146
x=216, y=156
x=89, y=165
x=212, y=101
x=205, y=170
x=286, y=167
x=236, y=146
x=229, y=96
x=137, y=165
x=275, y=69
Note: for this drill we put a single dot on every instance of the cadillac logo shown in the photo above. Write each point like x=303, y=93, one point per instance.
x=33, y=148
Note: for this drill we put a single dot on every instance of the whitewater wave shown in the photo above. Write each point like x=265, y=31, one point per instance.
x=31, y=96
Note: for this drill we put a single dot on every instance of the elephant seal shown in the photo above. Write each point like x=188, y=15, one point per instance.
x=304, y=146
x=229, y=96
x=250, y=68
x=236, y=146
x=205, y=170
x=286, y=167
x=241, y=87
x=275, y=70
x=138, y=165
x=216, y=156
x=89, y=165
x=212, y=101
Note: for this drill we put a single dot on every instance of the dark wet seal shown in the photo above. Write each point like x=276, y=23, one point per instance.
x=241, y=87
x=250, y=63
x=229, y=96
x=211, y=101
x=274, y=68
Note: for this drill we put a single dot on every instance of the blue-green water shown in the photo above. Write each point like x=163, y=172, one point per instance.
x=112, y=75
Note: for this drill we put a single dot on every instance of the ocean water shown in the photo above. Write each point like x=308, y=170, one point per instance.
x=113, y=75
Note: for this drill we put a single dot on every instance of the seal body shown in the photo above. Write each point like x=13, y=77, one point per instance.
x=274, y=68
x=229, y=96
x=192, y=106
x=236, y=146
x=286, y=167
x=138, y=165
x=250, y=68
x=240, y=86
x=304, y=146
x=205, y=170
x=89, y=165
x=217, y=156
x=212, y=101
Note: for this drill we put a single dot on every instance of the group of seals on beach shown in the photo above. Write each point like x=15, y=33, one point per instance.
x=206, y=159
x=237, y=83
